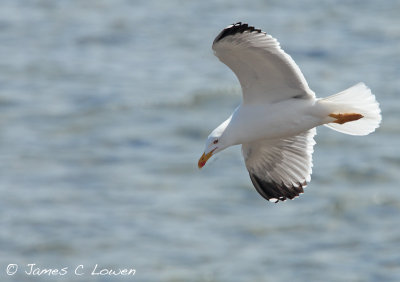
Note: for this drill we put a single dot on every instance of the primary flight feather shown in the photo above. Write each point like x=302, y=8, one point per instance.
x=275, y=123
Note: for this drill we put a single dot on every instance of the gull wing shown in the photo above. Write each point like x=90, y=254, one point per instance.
x=266, y=73
x=280, y=169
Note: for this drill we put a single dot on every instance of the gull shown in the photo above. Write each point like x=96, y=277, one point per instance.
x=275, y=123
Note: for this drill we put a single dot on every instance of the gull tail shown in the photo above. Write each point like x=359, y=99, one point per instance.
x=355, y=111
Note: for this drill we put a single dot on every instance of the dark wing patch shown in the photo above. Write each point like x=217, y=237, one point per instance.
x=275, y=192
x=234, y=29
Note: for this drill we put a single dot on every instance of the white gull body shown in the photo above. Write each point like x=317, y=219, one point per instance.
x=275, y=123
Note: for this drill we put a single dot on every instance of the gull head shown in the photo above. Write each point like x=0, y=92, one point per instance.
x=215, y=143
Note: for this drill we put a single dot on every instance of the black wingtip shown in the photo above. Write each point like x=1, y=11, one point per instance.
x=275, y=192
x=235, y=28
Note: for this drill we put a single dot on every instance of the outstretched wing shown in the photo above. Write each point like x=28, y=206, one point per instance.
x=266, y=73
x=280, y=169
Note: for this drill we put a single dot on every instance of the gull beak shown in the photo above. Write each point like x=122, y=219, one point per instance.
x=204, y=158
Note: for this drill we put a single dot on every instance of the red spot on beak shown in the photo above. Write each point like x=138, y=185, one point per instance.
x=204, y=158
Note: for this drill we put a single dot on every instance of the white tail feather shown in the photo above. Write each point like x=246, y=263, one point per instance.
x=356, y=99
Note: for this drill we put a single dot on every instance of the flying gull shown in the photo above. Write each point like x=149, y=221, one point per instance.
x=275, y=123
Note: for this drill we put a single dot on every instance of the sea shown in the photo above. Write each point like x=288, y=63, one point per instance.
x=105, y=107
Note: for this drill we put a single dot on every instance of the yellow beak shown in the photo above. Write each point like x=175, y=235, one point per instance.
x=204, y=158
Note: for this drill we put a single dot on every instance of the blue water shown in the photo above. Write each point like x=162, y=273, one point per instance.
x=104, y=110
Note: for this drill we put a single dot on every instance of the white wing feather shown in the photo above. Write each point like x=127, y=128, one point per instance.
x=266, y=73
x=280, y=169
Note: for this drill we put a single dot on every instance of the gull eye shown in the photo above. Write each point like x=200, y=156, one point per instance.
x=215, y=141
